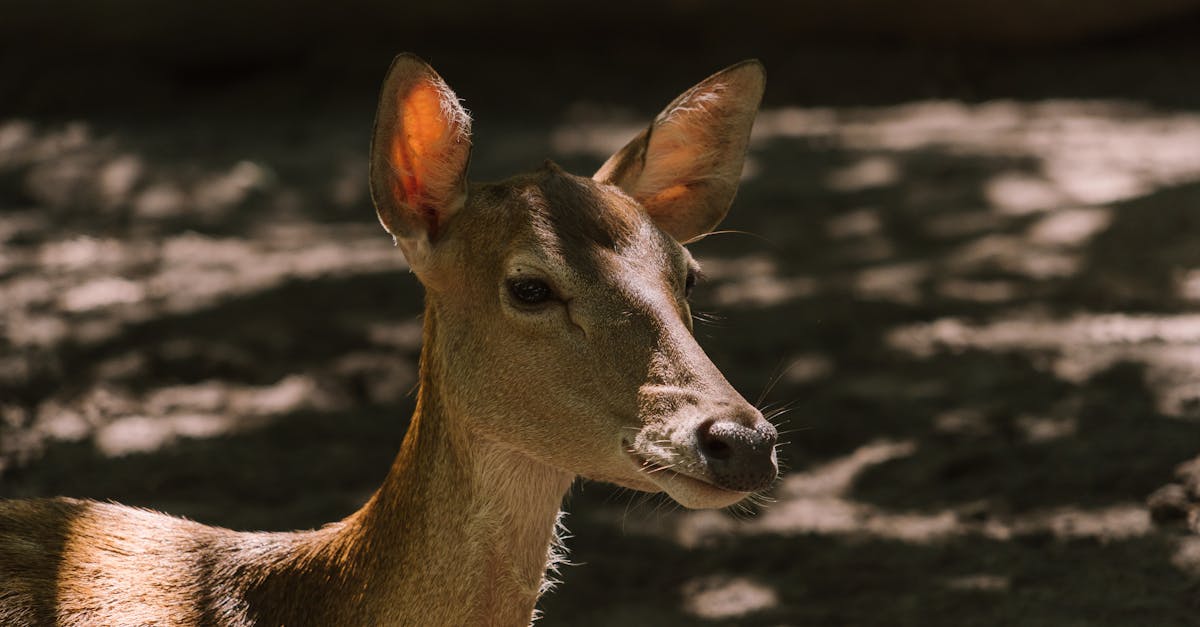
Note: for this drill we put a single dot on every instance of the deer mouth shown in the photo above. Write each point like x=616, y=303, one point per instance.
x=689, y=490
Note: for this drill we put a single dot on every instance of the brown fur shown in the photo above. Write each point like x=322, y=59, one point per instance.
x=513, y=405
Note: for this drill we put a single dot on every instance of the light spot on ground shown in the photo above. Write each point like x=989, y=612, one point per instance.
x=865, y=174
x=1019, y=194
x=720, y=597
x=899, y=282
x=857, y=223
x=1070, y=227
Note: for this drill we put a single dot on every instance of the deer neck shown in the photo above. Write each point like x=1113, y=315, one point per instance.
x=463, y=528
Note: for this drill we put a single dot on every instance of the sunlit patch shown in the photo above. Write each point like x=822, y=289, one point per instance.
x=15, y=224
x=1186, y=556
x=85, y=289
x=101, y=293
x=857, y=223
x=718, y=269
x=225, y=190
x=1107, y=524
x=898, y=282
x=1092, y=182
x=85, y=253
x=865, y=174
x=1189, y=285
x=404, y=334
x=14, y=135
x=836, y=477
x=808, y=368
x=61, y=423
x=120, y=422
x=753, y=281
x=963, y=422
x=763, y=291
x=1032, y=331
x=1018, y=194
x=722, y=597
x=118, y=177
x=142, y=434
x=161, y=200
x=1015, y=255
x=70, y=168
x=815, y=502
x=1038, y=429
x=1070, y=227
x=34, y=330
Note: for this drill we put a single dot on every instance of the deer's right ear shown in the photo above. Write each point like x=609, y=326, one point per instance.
x=419, y=154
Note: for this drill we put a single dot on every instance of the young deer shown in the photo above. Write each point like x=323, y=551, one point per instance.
x=557, y=343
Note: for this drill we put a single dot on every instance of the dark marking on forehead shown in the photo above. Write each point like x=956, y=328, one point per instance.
x=574, y=221
x=580, y=212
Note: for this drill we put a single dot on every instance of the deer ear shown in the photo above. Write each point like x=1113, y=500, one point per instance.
x=419, y=154
x=684, y=168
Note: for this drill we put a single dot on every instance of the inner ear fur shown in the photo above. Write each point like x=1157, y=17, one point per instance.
x=420, y=150
x=684, y=169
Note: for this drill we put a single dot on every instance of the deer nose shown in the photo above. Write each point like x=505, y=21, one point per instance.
x=740, y=457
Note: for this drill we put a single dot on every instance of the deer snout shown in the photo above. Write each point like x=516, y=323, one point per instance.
x=739, y=451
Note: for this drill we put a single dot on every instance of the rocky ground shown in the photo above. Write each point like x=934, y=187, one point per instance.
x=982, y=309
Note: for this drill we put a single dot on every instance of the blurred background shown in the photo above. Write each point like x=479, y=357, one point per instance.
x=972, y=276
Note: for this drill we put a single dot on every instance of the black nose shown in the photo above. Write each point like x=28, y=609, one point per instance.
x=740, y=457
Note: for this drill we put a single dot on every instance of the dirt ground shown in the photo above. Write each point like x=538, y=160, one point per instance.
x=974, y=280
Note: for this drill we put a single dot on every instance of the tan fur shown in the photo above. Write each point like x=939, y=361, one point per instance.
x=513, y=405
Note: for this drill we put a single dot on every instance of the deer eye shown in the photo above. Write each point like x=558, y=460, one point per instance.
x=528, y=291
x=689, y=283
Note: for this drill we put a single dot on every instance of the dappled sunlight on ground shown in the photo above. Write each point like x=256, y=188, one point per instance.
x=1187, y=556
x=104, y=283
x=721, y=597
x=107, y=248
x=1005, y=291
x=818, y=502
x=978, y=319
x=1089, y=152
x=1079, y=347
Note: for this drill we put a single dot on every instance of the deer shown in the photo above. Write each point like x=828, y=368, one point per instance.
x=557, y=343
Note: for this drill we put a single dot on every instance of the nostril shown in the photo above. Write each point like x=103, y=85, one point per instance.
x=712, y=445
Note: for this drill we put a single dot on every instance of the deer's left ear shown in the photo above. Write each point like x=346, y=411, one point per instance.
x=684, y=169
x=419, y=155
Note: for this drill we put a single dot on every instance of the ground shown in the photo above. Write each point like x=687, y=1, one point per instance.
x=980, y=306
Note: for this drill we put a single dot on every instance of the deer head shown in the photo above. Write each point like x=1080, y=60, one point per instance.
x=559, y=303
